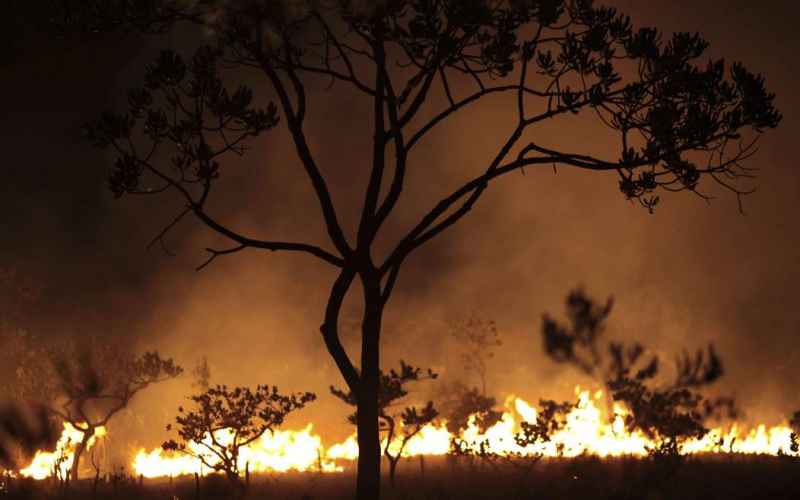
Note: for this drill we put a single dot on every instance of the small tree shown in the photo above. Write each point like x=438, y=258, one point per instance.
x=477, y=338
x=668, y=413
x=398, y=425
x=470, y=403
x=95, y=382
x=226, y=420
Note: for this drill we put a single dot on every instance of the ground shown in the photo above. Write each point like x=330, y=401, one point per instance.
x=706, y=478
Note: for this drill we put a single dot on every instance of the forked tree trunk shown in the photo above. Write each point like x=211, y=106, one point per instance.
x=393, y=461
x=76, y=461
x=368, y=482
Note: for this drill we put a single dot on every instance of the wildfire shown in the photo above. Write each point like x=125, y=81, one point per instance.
x=587, y=430
x=280, y=451
x=59, y=461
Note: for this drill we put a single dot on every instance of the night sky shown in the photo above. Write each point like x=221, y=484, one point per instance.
x=690, y=274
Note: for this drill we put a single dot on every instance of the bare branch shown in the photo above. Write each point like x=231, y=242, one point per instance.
x=304, y=153
x=217, y=253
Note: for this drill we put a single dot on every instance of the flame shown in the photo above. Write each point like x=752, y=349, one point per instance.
x=279, y=451
x=46, y=463
x=587, y=430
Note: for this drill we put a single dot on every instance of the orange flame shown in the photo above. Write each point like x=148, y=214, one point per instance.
x=59, y=461
x=588, y=430
x=280, y=451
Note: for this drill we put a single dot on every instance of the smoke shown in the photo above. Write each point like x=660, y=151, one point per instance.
x=690, y=274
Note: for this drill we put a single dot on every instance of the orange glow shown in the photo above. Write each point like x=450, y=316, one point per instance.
x=46, y=463
x=280, y=451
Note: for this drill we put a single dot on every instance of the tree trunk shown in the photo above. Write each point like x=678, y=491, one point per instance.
x=393, y=468
x=76, y=461
x=96, y=482
x=233, y=479
x=368, y=482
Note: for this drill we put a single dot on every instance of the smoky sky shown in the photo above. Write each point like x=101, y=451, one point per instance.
x=692, y=273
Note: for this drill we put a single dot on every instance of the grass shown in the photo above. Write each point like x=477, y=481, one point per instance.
x=701, y=478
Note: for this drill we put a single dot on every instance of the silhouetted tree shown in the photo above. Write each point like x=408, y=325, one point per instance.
x=400, y=425
x=226, y=420
x=477, y=337
x=86, y=385
x=676, y=121
x=668, y=413
x=465, y=403
x=794, y=423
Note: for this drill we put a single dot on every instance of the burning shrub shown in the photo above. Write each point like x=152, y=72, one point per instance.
x=399, y=427
x=226, y=420
x=87, y=384
x=471, y=403
x=669, y=413
x=551, y=418
x=477, y=338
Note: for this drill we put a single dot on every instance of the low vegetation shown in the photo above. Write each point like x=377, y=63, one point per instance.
x=225, y=420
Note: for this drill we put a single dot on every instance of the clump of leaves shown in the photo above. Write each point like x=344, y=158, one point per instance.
x=398, y=425
x=794, y=423
x=471, y=403
x=225, y=420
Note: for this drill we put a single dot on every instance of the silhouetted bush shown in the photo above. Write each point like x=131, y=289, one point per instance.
x=224, y=420
x=402, y=424
x=668, y=413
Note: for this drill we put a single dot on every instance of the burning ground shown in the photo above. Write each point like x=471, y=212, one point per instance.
x=588, y=431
